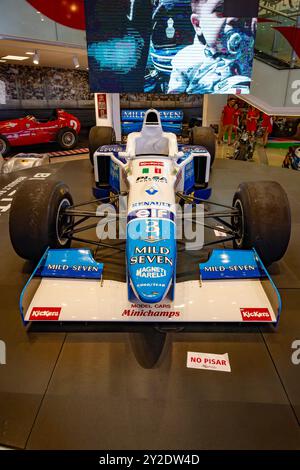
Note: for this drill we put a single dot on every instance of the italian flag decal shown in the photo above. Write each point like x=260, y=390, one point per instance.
x=149, y=165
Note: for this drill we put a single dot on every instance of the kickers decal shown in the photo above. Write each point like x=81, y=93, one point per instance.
x=45, y=313
x=256, y=314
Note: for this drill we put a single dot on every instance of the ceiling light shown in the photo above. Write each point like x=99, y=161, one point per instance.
x=2, y=60
x=76, y=62
x=36, y=58
x=29, y=53
x=14, y=57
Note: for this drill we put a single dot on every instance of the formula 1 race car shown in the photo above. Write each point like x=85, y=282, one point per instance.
x=23, y=161
x=62, y=128
x=143, y=183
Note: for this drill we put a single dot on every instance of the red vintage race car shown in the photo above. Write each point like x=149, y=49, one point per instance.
x=62, y=128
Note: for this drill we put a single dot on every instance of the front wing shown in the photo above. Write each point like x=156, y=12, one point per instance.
x=67, y=286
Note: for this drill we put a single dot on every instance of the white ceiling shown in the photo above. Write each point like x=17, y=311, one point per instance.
x=50, y=55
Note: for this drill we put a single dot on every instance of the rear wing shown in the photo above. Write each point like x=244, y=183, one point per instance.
x=132, y=120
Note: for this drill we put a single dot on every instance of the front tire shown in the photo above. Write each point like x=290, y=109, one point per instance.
x=264, y=220
x=36, y=219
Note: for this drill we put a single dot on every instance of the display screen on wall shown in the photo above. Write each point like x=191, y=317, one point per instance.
x=169, y=46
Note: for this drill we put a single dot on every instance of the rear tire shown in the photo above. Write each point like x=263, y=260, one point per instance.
x=205, y=137
x=4, y=146
x=67, y=138
x=36, y=219
x=265, y=219
x=101, y=135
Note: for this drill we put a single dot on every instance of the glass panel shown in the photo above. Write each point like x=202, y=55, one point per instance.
x=269, y=41
x=21, y=20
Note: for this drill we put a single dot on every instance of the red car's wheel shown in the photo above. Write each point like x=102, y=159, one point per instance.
x=67, y=138
x=4, y=146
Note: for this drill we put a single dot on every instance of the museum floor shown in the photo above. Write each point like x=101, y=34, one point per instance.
x=87, y=391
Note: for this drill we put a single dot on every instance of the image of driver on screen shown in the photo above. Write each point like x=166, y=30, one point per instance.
x=220, y=60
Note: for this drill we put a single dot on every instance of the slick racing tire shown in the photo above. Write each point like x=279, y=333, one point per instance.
x=36, y=219
x=264, y=220
x=67, y=138
x=205, y=137
x=101, y=135
x=4, y=146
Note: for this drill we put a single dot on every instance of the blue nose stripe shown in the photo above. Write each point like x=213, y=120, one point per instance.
x=151, y=257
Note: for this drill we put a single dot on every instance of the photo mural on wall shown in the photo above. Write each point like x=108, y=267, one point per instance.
x=2, y=92
x=140, y=100
x=33, y=86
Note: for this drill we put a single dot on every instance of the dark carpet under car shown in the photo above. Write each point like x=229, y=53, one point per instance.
x=87, y=390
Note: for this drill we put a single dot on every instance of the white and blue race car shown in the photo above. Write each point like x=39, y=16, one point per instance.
x=152, y=174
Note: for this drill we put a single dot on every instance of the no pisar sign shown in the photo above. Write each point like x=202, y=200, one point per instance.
x=217, y=362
